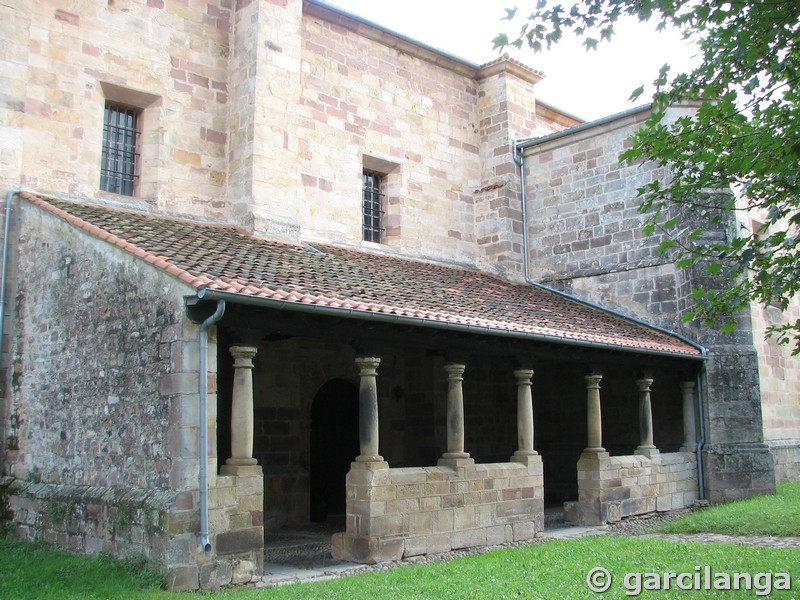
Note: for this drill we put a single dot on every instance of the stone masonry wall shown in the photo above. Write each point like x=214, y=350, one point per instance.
x=780, y=390
x=396, y=513
x=95, y=359
x=92, y=519
x=611, y=488
x=363, y=100
x=583, y=212
x=102, y=447
x=587, y=238
x=66, y=60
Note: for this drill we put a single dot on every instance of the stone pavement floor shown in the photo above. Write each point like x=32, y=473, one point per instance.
x=294, y=557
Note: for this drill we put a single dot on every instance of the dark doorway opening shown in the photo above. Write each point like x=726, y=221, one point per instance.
x=334, y=445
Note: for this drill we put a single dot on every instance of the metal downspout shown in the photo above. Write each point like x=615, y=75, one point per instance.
x=701, y=399
x=9, y=195
x=204, y=543
x=520, y=161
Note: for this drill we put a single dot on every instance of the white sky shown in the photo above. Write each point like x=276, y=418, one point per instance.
x=589, y=85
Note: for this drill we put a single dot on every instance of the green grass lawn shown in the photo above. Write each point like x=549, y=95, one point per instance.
x=556, y=569
x=763, y=515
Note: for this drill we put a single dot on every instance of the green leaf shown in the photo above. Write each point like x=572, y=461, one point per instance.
x=636, y=93
x=501, y=41
x=665, y=246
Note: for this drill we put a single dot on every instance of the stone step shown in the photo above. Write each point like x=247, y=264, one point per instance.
x=303, y=554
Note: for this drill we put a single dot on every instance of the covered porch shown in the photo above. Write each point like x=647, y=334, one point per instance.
x=422, y=440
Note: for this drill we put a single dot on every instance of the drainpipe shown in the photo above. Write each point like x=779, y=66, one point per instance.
x=519, y=159
x=206, y=545
x=701, y=392
x=11, y=193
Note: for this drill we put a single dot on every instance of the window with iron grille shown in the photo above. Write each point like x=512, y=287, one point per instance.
x=118, y=168
x=372, y=222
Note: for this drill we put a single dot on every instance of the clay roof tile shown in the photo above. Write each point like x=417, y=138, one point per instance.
x=222, y=257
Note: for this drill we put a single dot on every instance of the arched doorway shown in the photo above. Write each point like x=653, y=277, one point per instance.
x=334, y=445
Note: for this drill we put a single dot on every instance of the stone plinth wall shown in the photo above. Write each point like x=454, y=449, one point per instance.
x=396, y=513
x=236, y=523
x=786, y=455
x=162, y=525
x=91, y=519
x=611, y=488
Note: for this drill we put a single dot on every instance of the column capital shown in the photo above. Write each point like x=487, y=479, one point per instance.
x=243, y=356
x=593, y=380
x=644, y=384
x=523, y=376
x=688, y=386
x=454, y=370
x=367, y=365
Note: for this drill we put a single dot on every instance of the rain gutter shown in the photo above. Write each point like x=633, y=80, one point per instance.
x=209, y=294
x=203, y=421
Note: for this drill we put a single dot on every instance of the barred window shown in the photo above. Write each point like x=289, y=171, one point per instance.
x=373, y=207
x=118, y=168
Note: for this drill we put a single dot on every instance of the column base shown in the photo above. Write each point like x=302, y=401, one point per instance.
x=241, y=470
x=369, y=465
x=687, y=448
x=649, y=451
x=241, y=462
x=532, y=461
x=369, y=458
x=597, y=449
x=526, y=453
x=455, y=460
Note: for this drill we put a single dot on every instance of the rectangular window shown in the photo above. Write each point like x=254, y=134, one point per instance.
x=118, y=168
x=373, y=207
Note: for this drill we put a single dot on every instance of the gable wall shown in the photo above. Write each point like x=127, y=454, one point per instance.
x=95, y=356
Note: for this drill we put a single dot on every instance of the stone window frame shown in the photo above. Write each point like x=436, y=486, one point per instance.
x=119, y=155
x=390, y=189
x=147, y=148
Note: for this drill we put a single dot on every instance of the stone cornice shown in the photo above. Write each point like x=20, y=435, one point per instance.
x=505, y=64
x=404, y=44
x=380, y=34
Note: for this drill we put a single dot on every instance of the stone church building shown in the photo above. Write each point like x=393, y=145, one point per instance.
x=266, y=263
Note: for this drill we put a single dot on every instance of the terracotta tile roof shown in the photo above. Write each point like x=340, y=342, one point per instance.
x=221, y=257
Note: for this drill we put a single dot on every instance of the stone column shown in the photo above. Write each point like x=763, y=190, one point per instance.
x=368, y=409
x=594, y=420
x=524, y=413
x=646, y=446
x=241, y=411
x=455, y=417
x=689, y=426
